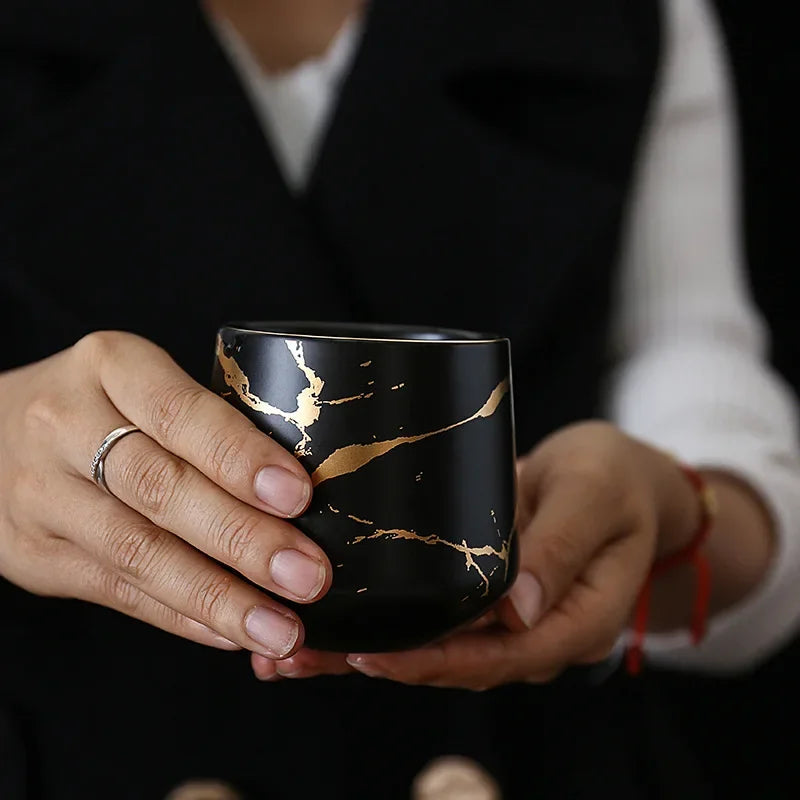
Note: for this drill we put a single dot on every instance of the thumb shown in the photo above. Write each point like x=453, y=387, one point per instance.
x=567, y=529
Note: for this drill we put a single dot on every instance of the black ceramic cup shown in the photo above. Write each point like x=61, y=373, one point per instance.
x=408, y=435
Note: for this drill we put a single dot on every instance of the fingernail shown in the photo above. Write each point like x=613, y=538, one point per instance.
x=363, y=666
x=526, y=597
x=276, y=633
x=282, y=490
x=298, y=573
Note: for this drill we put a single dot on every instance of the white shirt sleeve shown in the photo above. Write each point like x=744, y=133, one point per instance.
x=691, y=351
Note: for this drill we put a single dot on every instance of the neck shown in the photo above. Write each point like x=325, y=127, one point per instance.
x=283, y=33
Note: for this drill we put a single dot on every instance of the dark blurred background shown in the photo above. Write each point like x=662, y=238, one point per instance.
x=744, y=728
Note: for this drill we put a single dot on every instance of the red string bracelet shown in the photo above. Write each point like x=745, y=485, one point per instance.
x=689, y=554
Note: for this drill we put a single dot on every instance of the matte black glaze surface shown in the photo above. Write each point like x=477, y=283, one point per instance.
x=408, y=435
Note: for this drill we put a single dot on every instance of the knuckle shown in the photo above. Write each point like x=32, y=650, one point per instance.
x=236, y=536
x=597, y=478
x=135, y=549
x=171, y=409
x=171, y=620
x=228, y=452
x=98, y=345
x=636, y=512
x=155, y=480
x=32, y=546
x=211, y=596
x=44, y=413
x=560, y=554
x=114, y=590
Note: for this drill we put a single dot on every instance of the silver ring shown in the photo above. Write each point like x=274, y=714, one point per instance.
x=97, y=470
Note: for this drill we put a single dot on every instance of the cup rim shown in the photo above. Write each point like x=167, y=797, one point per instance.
x=363, y=332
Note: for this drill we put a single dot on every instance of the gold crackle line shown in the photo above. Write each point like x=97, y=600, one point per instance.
x=470, y=553
x=308, y=400
x=354, y=456
x=358, y=519
x=308, y=405
x=362, y=396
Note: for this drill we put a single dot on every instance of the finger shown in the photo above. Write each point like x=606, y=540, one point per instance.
x=598, y=610
x=586, y=623
x=264, y=668
x=589, y=618
x=179, y=498
x=522, y=605
x=303, y=664
x=575, y=517
x=83, y=578
x=475, y=660
x=150, y=390
x=306, y=663
x=175, y=574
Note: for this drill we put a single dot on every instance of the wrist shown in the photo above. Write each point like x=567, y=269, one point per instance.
x=678, y=510
x=679, y=544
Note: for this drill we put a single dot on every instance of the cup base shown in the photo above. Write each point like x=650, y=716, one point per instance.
x=382, y=625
